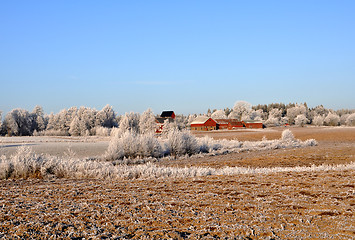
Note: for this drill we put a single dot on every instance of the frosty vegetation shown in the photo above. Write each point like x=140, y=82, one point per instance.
x=26, y=164
x=132, y=147
x=176, y=143
x=86, y=121
x=278, y=114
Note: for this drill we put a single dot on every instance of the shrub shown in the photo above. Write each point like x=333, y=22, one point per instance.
x=287, y=136
x=350, y=120
x=181, y=143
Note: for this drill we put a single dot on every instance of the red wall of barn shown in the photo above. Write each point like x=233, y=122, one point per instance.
x=253, y=125
x=209, y=123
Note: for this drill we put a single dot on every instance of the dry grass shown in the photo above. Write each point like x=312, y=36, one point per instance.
x=304, y=205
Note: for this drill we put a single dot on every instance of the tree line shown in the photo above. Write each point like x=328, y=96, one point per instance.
x=86, y=121
x=277, y=114
x=81, y=121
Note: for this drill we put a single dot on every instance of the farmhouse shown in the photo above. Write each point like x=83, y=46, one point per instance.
x=203, y=123
x=165, y=115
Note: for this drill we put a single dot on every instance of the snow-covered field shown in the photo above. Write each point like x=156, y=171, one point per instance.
x=81, y=147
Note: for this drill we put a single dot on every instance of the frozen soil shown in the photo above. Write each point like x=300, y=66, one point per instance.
x=303, y=205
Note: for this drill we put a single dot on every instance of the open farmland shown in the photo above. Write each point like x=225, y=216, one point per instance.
x=281, y=205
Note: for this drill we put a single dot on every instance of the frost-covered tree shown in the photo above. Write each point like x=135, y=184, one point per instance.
x=253, y=115
x=332, y=119
x=343, y=118
x=274, y=118
x=130, y=122
x=106, y=117
x=18, y=122
x=52, y=121
x=38, y=119
x=350, y=121
x=147, y=122
x=168, y=126
x=87, y=120
x=317, y=111
x=191, y=118
x=227, y=111
x=240, y=109
x=74, y=129
x=318, y=120
x=219, y=114
x=301, y=120
x=181, y=121
x=293, y=112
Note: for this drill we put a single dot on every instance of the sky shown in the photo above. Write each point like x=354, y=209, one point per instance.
x=186, y=56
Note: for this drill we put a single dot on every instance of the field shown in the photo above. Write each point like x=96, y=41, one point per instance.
x=282, y=205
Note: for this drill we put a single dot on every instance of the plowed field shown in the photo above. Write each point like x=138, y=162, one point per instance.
x=289, y=205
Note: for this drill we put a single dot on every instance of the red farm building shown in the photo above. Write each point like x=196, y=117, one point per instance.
x=203, y=123
x=253, y=124
x=165, y=115
x=229, y=124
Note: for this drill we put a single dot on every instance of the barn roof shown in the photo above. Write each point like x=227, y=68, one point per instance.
x=226, y=121
x=222, y=121
x=166, y=114
x=253, y=121
x=200, y=120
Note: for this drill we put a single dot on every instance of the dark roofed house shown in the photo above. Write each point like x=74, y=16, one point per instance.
x=165, y=115
x=168, y=114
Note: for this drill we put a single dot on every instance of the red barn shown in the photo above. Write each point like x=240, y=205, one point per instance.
x=229, y=124
x=222, y=123
x=235, y=123
x=253, y=124
x=203, y=123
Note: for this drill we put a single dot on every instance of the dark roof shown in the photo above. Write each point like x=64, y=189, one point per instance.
x=166, y=114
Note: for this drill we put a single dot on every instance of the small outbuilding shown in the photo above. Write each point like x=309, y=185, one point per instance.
x=203, y=123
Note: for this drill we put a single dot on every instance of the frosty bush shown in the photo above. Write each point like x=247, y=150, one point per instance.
x=301, y=120
x=133, y=145
x=102, y=131
x=332, y=119
x=318, y=120
x=26, y=164
x=350, y=120
x=181, y=142
x=287, y=136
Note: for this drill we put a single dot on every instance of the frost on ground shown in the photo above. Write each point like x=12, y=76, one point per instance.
x=293, y=205
x=146, y=148
x=165, y=200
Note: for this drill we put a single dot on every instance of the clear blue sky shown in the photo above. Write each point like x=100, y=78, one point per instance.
x=186, y=56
